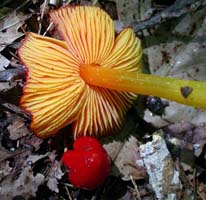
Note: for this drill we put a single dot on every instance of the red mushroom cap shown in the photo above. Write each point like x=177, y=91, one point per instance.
x=88, y=163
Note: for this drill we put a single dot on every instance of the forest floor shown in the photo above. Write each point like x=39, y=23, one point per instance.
x=160, y=152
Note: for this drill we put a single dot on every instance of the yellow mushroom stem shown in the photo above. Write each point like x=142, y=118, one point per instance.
x=187, y=92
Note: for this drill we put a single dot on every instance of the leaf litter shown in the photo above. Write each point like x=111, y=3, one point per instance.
x=169, y=164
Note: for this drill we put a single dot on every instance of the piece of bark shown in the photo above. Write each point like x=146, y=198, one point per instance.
x=163, y=177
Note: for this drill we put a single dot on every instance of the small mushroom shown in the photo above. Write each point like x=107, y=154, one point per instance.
x=88, y=163
x=91, y=78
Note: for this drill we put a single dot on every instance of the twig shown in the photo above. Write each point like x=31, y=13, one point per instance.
x=135, y=187
x=194, y=184
x=11, y=154
x=68, y=193
x=179, y=8
x=66, y=2
x=11, y=25
x=4, y=3
x=14, y=23
x=42, y=16
x=14, y=55
x=15, y=109
x=48, y=28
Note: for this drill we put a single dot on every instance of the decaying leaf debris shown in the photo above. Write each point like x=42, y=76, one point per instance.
x=168, y=165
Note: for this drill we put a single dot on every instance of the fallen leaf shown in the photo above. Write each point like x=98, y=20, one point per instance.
x=26, y=184
x=17, y=129
x=4, y=62
x=32, y=159
x=132, y=10
x=125, y=156
x=9, y=26
x=5, y=169
x=187, y=136
x=55, y=173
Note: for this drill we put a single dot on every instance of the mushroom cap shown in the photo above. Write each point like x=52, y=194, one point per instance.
x=88, y=163
x=55, y=93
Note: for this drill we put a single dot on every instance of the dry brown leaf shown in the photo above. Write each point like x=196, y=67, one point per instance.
x=9, y=28
x=25, y=185
x=17, y=129
x=187, y=136
x=5, y=169
x=32, y=159
x=4, y=62
x=125, y=156
x=132, y=10
x=55, y=173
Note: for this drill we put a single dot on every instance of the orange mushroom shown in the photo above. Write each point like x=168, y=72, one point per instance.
x=90, y=78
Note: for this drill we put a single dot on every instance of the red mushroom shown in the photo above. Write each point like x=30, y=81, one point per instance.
x=90, y=78
x=88, y=163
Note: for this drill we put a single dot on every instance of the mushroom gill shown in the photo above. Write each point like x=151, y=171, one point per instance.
x=55, y=93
